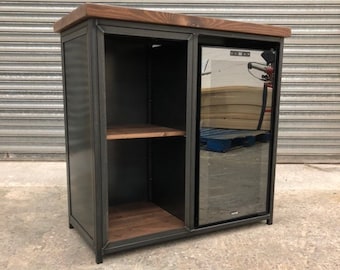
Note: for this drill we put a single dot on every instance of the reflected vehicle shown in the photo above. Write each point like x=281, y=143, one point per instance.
x=235, y=133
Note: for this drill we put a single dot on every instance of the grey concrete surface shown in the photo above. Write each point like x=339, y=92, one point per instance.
x=34, y=230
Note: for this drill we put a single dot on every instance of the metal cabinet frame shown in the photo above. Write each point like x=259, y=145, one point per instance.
x=95, y=31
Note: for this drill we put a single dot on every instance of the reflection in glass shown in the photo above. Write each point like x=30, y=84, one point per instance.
x=235, y=130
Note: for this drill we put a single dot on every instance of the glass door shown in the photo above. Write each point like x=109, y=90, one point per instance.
x=235, y=133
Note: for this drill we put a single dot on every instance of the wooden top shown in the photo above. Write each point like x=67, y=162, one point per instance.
x=86, y=11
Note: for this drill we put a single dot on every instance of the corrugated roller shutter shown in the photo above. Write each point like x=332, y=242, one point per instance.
x=31, y=113
x=31, y=109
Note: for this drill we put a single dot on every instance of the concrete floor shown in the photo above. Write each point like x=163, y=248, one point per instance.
x=34, y=230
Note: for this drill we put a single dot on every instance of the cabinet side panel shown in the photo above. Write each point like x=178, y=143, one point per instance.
x=79, y=127
x=168, y=174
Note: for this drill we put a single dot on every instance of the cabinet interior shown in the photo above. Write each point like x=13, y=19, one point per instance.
x=146, y=122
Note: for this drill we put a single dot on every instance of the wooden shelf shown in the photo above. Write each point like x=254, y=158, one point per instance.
x=137, y=219
x=141, y=131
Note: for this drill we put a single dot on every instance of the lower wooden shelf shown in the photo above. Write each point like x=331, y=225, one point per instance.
x=137, y=219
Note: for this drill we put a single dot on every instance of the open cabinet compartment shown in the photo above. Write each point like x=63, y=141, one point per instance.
x=146, y=122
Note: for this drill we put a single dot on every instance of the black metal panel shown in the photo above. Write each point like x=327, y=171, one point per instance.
x=238, y=41
x=168, y=174
x=132, y=29
x=126, y=77
x=145, y=240
x=168, y=80
x=127, y=170
x=173, y=32
x=79, y=132
x=126, y=80
x=169, y=83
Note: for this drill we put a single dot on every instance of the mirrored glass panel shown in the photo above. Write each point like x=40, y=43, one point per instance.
x=235, y=132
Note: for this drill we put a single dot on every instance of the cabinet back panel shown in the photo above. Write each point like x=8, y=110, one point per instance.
x=126, y=80
x=138, y=69
x=168, y=84
x=127, y=171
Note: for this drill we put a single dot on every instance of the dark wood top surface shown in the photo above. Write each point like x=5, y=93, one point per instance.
x=86, y=11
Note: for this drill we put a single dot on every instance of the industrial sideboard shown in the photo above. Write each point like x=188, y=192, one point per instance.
x=171, y=124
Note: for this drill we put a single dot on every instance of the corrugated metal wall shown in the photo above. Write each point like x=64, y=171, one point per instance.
x=31, y=115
